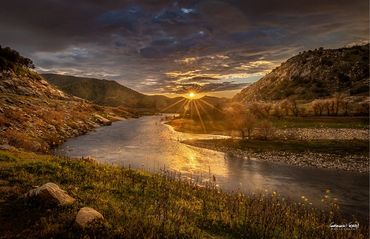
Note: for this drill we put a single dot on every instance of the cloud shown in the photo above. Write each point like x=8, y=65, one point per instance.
x=213, y=44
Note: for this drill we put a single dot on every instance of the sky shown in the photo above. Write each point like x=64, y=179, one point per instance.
x=171, y=47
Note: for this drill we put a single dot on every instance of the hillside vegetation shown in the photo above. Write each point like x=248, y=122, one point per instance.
x=320, y=73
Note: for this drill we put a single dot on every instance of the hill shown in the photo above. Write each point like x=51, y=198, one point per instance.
x=36, y=116
x=320, y=73
x=109, y=93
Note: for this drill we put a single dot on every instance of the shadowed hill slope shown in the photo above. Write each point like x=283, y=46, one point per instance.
x=109, y=93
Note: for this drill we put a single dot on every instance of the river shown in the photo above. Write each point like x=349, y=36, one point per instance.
x=146, y=143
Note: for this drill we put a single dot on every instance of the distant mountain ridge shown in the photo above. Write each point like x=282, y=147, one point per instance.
x=314, y=74
x=108, y=92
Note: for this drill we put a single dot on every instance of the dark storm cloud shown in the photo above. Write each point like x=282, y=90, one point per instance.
x=166, y=46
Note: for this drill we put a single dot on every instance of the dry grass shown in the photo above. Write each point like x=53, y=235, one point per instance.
x=141, y=205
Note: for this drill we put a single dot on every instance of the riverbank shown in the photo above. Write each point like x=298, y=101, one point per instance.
x=39, y=124
x=141, y=205
x=301, y=129
x=349, y=155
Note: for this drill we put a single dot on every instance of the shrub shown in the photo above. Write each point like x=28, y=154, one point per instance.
x=22, y=140
x=10, y=59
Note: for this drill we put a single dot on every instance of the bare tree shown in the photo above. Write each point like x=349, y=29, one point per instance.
x=284, y=105
x=326, y=104
x=250, y=124
x=293, y=106
x=345, y=106
x=257, y=109
x=277, y=111
x=266, y=128
x=240, y=119
x=318, y=107
x=236, y=116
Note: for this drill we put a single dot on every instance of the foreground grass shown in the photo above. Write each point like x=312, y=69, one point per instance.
x=140, y=205
x=336, y=147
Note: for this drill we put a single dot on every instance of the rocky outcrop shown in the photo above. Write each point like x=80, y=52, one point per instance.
x=87, y=215
x=314, y=74
x=50, y=194
x=28, y=83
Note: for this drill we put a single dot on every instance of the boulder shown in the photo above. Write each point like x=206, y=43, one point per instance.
x=101, y=120
x=50, y=193
x=86, y=215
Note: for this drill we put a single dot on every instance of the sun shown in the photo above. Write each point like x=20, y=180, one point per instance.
x=191, y=95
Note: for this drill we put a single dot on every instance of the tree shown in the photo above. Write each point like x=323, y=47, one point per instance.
x=235, y=114
x=258, y=110
x=318, y=107
x=10, y=58
x=250, y=124
x=338, y=102
x=284, y=105
x=266, y=129
x=346, y=106
x=293, y=106
x=277, y=111
x=240, y=119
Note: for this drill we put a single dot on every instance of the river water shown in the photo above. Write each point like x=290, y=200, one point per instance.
x=148, y=144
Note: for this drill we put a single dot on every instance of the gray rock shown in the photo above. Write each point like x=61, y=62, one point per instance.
x=50, y=193
x=87, y=215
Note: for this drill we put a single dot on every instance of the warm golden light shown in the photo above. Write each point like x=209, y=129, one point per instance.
x=191, y=95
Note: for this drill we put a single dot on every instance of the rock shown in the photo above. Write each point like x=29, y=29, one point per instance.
x=101, y=120
x=86, y=215
x=89, y=159
x=50, y=193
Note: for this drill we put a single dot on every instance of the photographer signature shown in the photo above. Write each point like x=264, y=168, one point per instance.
x=347, y=226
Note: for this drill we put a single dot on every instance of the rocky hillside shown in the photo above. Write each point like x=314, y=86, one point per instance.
x=314, y=74
x=109, y=93
x=35, y=115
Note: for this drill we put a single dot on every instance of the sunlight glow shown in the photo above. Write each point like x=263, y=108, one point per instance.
x=191, y=95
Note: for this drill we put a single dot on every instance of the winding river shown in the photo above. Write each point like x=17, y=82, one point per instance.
x=148, y=144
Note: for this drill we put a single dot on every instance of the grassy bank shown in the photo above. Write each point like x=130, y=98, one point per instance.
x=141, y=205
x=336, y=147
x=322, y=122
x=211, y=126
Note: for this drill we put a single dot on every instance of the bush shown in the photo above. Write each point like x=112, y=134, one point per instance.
x=22, y=140
x=10, y=59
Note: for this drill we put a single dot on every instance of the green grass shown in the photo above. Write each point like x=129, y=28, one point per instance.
x=140, y=205
x=219, y=126
x=322, y=122
x=338, y=147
